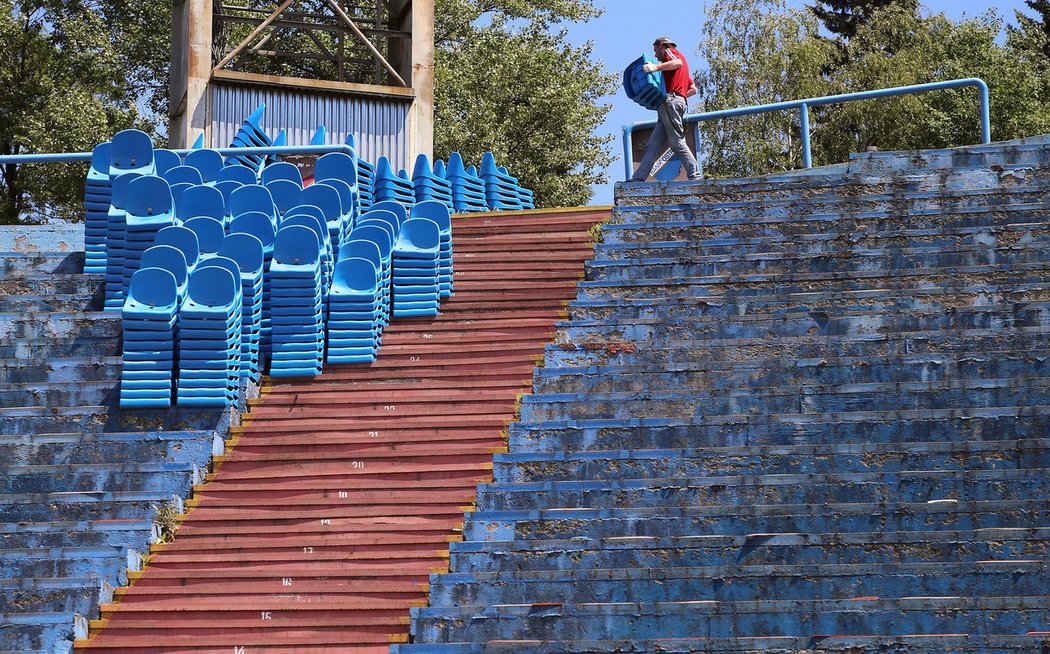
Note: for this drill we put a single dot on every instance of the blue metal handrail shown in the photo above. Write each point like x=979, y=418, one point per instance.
x=59, y=157
x=804, y=105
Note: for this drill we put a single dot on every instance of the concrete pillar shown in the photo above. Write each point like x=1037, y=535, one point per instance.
x=191, y=64
x=415, y=61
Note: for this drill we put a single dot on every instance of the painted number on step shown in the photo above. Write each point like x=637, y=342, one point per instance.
x=428, y=336
x=343, y=495
x=325, y=521
x=389, y=407
x=239, y=649
x=286, y=581
x=357, y=465
x=373, y=434
x=413, y=358
x=308, y=550
x=266, y=615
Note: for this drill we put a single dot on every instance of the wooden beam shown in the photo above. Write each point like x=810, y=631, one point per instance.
x=389, y=92
x=258, y=30
x=353, y=27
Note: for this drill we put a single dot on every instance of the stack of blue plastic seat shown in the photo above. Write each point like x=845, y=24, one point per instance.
x=326, y=198
x=468, y=190
x=438, y=212
x=210, y=336
x=415, y=263
x=251, y=135
x=525, y=195
x=150, y=208
x=339, y=169
x=150, y=321
x=131, y=155
x=354, y=312
x=297, y=311
x=366, y=178
x=258, y=225
x=308, y=216
x=98, y=193
x=428, y=184
x=381, y=239
x=647, y=89
x=390, y=185
x=247, y=251
x=501, y=189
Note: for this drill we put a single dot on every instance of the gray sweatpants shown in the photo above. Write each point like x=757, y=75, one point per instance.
x=668, y=132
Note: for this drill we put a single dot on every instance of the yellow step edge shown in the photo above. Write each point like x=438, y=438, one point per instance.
x=135, y=575
x=399, y=639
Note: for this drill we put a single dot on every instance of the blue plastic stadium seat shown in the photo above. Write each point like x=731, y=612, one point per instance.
x=415, y=269
x=439, y=213
x=209, y=233
x=202, y=200
x=428, y=185
x=647, y=89
x=297, y=320
x=183, y=175
x=150, y=207
x=208, y=162
x=149, y=317
x=281, y=170
x=501, y=189
x=210, y=336
x=390, y=185
x=237, y=173
x=286, y=194
x=183, y=239
x=131, y=152
x=165, y=160
x=253, y=197
x=170, y=258
x=468, y=190
x=98, y=194
x=381, y=237
x=247, y=251
x=354, y=312
x=327, y=199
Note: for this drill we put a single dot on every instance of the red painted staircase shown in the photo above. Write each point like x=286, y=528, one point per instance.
x=338, y=496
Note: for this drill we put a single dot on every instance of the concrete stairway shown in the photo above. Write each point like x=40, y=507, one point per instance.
x=804, y=413
x=339, y=496
x=81, y=483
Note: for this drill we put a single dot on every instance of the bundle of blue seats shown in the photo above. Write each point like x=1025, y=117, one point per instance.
x=647, y=89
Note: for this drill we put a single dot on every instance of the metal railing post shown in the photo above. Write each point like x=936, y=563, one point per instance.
x=807, y=156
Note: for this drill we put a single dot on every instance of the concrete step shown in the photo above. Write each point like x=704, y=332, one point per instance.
x=616, y=351
x=34, y=632
x=70, y=594
x=896, y=458
x=656, y=334
x=815, y=399
x=130, y=534
x=14, y=265
x=689, y=262
x=607, y=621
x=82, y=506
x=112, y=447
x=171, y=478
x=101, y=562
x=740, y=491
x=758, y=286
x=702, y=302
x=46, y=285
x=75, y=369
x=769, y=549
x=914, y=644
x=65, y=303
x=640, y=376
x=18, y=421
x=64, y=393
x=703, y=244
x=742, y=583
x=564, y=523
x=60, y=326
x=742, y=430
x=38, y=351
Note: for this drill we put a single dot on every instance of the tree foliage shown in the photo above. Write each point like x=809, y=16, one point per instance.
x=69, y=79
x=844, y=17
x=507, y=80
x=769, y=54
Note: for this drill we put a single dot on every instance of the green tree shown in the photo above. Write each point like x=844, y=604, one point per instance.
x=757, y=52
x=507, y=80
x=844, y=17
x=66, y=83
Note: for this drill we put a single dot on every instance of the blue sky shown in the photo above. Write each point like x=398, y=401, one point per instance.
x=627, y=29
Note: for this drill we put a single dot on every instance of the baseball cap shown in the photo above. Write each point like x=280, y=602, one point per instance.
x=663, y=40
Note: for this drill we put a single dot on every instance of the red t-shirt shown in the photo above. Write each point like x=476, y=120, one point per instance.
x=677, y=81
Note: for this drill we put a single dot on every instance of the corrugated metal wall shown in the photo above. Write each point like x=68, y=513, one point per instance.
x=380, y=125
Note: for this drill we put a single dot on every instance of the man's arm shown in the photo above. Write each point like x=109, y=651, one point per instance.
x=671, y=64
